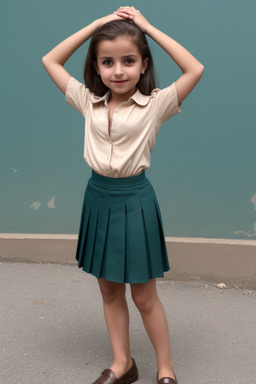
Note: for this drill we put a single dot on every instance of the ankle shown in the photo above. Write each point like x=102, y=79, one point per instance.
x=121, y=366
x=166, y=371
x=123, y=363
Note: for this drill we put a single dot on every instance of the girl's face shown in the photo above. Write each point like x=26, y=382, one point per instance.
x=120, y=66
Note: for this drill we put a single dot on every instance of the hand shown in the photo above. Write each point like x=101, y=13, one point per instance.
x=108, y=18
x=134, y=15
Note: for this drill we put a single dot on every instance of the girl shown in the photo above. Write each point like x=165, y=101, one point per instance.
x=121, y=238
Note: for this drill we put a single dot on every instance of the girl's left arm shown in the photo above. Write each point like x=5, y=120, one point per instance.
x=192, y=69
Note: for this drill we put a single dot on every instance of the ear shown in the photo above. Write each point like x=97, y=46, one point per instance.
x=96, y=67
x=144, y=65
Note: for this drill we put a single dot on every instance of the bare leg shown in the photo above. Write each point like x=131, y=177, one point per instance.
x=154, y=318
x=117, y=320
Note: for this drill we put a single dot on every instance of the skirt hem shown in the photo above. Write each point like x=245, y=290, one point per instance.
x=113, y=280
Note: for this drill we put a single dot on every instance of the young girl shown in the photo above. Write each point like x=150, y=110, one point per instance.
x=121, y=238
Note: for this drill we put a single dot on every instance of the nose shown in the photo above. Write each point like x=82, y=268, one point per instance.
x=118, y=70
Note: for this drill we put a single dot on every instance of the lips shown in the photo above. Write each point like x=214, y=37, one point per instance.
x=119, y=81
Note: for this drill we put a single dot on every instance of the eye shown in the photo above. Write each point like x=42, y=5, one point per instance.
x=129, y=61
x=107, y=62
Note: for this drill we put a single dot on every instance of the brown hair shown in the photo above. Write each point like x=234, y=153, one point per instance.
x=110, y=31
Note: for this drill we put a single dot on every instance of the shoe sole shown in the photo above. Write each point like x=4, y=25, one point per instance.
x=131, y=380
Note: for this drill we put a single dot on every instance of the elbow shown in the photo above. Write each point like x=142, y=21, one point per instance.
x=44, y=60
x=198, y=72
x=201, y=70
x=45, y=57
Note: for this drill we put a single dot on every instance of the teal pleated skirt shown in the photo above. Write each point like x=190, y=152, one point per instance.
x=121, y=234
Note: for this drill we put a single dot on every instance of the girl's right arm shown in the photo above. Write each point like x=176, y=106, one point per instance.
x=54, y=61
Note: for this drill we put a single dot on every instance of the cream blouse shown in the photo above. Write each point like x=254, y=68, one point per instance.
x=136, y=123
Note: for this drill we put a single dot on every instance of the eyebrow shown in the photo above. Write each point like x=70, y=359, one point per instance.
x=110, y=57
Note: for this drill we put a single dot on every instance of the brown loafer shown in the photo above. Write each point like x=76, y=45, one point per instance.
x=167, y=380
x=108, y=376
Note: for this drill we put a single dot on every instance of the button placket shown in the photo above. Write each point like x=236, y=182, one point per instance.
x=110, y=137
x=109, y=154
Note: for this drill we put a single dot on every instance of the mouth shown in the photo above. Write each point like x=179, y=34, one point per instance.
x=119, y=81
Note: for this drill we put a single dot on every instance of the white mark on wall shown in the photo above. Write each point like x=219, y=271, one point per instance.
x=51, y=202
x=14, y=170
x=246, y=233
x=253, y=200
x=35, y=205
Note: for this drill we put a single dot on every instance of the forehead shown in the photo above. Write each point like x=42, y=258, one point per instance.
x=121, y=46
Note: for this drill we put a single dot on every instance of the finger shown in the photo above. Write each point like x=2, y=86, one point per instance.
x=126, y=9
x=124, y=12
x=118, y=17
x=124, y=15
x=130, y=10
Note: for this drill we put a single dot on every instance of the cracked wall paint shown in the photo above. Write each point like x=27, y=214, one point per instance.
x=51, y=202
x=35, y=205
x=246, y=233
x=253, y=201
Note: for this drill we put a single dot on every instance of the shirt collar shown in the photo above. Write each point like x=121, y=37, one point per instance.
x=96, y=99
x=138, y=97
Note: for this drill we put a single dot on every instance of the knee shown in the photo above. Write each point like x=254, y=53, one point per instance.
x=112, y=292
x=144, y=304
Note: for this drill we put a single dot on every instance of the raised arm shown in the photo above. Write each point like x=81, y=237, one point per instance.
x=54, y=61
x=192, y=69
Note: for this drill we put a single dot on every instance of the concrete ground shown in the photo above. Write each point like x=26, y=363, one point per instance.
x=53, y=329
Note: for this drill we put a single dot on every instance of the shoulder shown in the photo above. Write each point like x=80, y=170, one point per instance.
x=156, y=93
x=77, y=95
x=165, y=102
x=169, y=89
x=75, y=86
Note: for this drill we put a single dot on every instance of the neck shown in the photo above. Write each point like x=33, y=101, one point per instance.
x=121, y=98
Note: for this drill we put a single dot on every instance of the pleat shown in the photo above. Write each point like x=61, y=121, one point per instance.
x=100, y=241
x=113, y=265
x=91, y=235
x=166, y=265
x=81, y=228
x=82, y=238
x=137, y=260
x=154, y=236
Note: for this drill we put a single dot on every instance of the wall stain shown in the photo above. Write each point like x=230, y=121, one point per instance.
x=51, y=202
x=35, y=205
x=253, y=201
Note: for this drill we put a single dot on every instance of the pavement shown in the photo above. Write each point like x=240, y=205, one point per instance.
x=53, y=330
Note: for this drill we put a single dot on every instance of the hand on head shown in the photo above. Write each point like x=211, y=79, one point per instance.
x=129, y=13
x=134, y=15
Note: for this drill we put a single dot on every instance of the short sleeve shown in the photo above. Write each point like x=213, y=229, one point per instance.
x=77, y=95
x=165, y=102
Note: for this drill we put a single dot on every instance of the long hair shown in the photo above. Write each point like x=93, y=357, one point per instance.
x=110, y=31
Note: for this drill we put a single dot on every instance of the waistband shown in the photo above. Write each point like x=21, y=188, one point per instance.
x=111, y=182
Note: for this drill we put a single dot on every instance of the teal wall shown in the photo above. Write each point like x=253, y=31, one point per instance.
x=203, y=165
